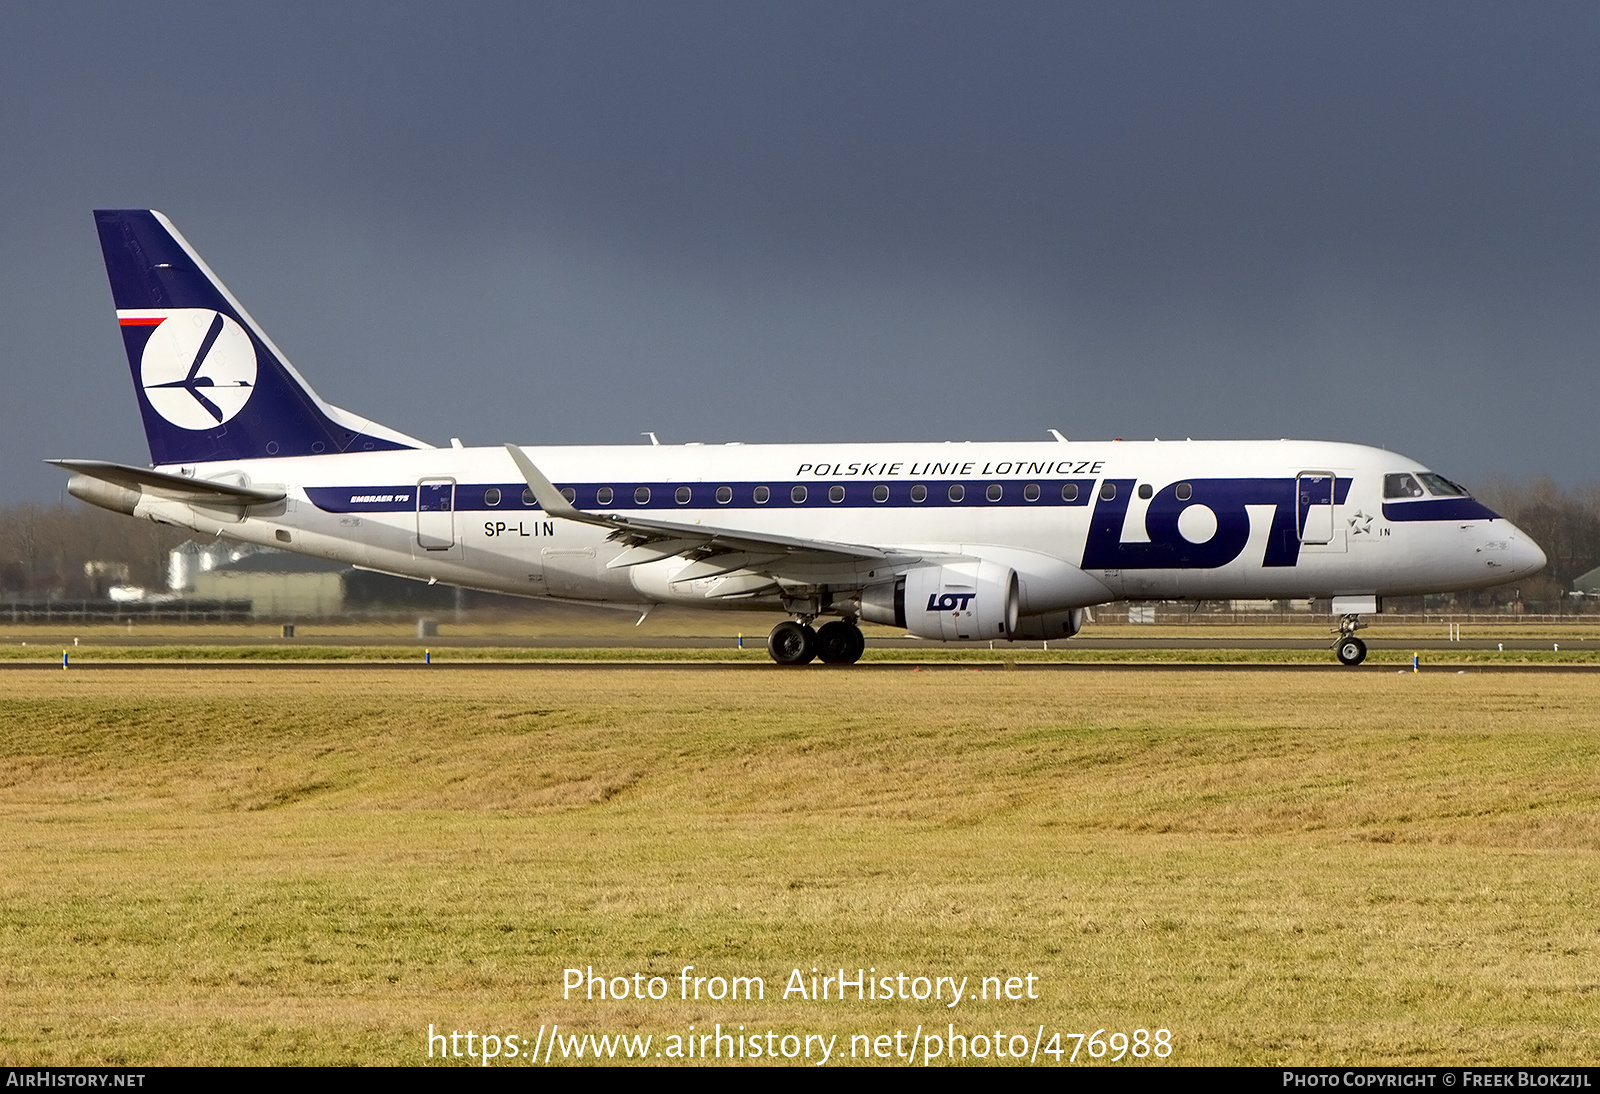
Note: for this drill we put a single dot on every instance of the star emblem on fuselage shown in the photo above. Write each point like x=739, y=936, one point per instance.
x=1360, y=523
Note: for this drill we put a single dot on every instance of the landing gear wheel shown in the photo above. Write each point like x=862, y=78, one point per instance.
x=792, y=643
x=1351, y=651
x=840, y=643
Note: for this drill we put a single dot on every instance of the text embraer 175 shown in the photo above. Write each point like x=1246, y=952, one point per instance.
x=950, y=541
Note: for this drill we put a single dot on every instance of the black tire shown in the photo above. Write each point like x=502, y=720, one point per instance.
x=858, y=644
x=840, y=643
x=1350, y=651
x=791, y=643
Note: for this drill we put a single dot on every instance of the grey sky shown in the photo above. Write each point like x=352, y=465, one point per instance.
x=567, y=224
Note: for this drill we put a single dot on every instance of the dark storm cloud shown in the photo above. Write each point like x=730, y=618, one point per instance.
x=567, y=224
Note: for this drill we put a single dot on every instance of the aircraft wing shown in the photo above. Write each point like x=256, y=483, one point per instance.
x=716, y=550
x=177, y=486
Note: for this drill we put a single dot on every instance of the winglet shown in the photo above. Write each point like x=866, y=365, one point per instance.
x=639, y=529
x=546, y=494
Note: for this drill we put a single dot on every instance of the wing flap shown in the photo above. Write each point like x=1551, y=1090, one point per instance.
x=717, y=565
x=652, y=552
x=742, y=587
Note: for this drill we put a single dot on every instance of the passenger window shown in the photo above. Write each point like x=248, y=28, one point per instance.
x=761, y=495
x=641, y=496
x=683, y=495
x=528, y=498
x=1108, y=492
x=1145, y=490
x=798, y=495
x=957, y=491
x=1401, y=486
x=1030, y=492
x=724, y=495
x=836, y=494
x=491, y=496
x=1069, y=492
x=994, y=493
x=1184, y=491
x=570, y=494
x=603, y=495
x=919, y=493
x=880, y=494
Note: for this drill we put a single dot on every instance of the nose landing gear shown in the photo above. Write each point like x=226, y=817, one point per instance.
x=793, y=642
x=1349, y=649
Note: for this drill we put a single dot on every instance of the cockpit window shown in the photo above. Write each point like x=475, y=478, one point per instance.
x=1401, y=486
x=1441, y=487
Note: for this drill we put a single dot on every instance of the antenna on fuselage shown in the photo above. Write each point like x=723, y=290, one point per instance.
x=652, y=436
x=1056, y=433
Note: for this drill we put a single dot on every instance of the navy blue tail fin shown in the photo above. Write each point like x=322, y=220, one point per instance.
x=211, y=385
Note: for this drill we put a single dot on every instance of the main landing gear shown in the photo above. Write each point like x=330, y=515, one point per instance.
x=1350, y=650
x=795, y=643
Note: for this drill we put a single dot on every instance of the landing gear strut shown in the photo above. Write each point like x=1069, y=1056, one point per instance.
x=1350, y=650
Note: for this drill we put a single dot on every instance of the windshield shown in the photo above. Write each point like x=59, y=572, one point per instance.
x=1401, y=486
x=1441, y=487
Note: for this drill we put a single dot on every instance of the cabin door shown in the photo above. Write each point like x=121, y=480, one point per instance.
x=1314, y=506
x=436, y=516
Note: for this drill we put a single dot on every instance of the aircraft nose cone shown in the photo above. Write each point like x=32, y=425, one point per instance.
x=1526, y=556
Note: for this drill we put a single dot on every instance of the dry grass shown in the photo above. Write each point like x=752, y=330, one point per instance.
x=243, y=866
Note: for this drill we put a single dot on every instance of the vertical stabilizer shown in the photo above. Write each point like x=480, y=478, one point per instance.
x=210, y=383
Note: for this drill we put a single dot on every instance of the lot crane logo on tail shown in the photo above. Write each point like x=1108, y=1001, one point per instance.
x=198, y=369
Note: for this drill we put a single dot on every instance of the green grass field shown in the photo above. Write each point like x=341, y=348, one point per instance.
x=311, y=866
x=554, y=620
x=601, y=635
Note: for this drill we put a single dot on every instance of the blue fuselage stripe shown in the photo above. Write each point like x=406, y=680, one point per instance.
x=703, y=496
x=1438, y=509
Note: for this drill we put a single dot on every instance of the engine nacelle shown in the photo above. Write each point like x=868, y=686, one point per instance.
x=107, y=495
x=1062, y=624
x=958, y=600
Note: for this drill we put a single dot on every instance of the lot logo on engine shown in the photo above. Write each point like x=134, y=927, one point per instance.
x=949, y=602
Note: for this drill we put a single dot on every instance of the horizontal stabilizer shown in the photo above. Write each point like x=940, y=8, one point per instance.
x=175, y=486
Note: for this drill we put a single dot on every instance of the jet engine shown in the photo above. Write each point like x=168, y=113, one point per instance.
x=957, y=600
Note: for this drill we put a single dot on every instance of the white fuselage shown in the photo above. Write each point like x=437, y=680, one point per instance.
x=1080, y=523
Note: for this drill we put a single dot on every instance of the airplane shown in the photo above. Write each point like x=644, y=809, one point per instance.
x=950, y=541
